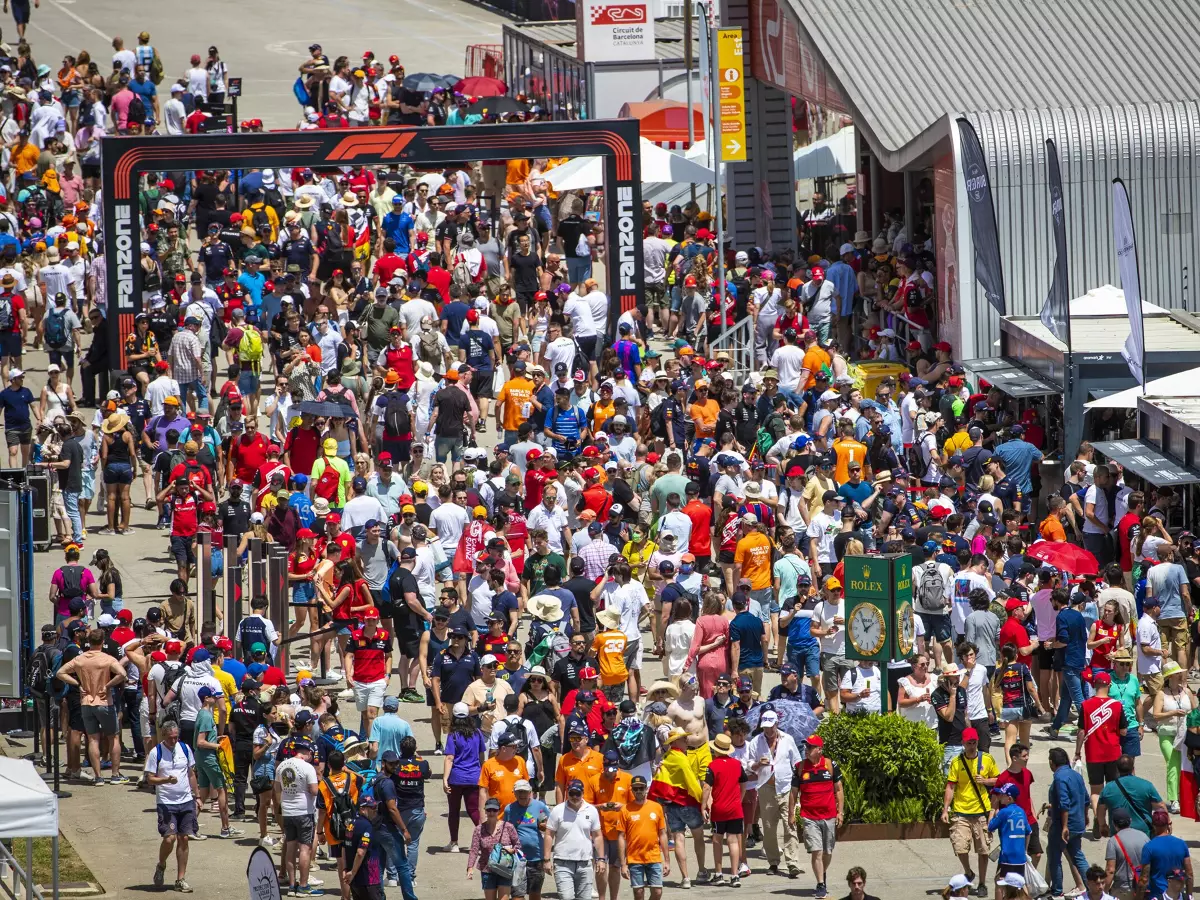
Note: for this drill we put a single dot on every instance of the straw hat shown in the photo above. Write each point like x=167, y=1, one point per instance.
x=349, y=201
x=670, y=688
x=1171, y=668
x=305, y=201
x=545, y=607
x=609, y=617
x=320, y=507
x=721, y=745
x=1122, y=655
x=674, y=735
x=114, y=423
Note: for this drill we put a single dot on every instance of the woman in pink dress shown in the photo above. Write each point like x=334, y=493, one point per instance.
x=710, y=644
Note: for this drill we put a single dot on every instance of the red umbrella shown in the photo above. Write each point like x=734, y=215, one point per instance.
x=481, y=86
x=1067, y=557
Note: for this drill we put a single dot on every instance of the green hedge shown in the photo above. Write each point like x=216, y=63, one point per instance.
x=892, y=768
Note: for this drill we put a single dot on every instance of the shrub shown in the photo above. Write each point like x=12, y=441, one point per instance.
x=892, y=768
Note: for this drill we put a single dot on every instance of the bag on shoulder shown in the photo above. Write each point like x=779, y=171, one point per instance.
x=397, y=420
x=156, y=69
x=250, y=347
x=342, y=810
x=174, y=682
x=55, y=329
x=429, y=348
x=931, y=592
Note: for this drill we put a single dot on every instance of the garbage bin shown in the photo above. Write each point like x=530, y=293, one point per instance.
x=875, y=372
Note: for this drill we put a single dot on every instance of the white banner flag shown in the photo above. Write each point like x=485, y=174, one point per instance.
x=1134, y=351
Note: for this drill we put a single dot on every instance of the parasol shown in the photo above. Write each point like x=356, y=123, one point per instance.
x=795, y=718
x=325, y=408
x=425, y=82
x=1066, y=557
x=481, y=86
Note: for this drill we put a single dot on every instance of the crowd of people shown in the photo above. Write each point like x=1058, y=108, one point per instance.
x=518, y=500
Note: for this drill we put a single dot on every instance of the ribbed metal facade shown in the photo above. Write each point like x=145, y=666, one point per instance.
x=1151, y=146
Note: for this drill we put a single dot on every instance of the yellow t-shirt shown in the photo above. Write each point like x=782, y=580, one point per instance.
x=966, y=798
x=228, y=688
x=957, y=443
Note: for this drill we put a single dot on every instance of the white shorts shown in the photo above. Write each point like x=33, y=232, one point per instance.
x=633, y=655
x=369, y=693
x=144, y=716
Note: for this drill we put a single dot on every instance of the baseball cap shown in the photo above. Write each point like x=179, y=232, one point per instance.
x=769, y=719
x=1009, y=790
x=1013, y=603
x=970, y=734
x=575, y=786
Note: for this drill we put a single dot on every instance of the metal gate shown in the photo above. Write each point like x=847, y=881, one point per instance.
x=11, y=632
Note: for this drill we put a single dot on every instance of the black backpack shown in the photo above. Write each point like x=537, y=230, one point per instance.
x=174, y=682
x=342, y=810
x=520, y=735
x=72, y=577
x=137, y=111
x=274, y=199
x=258, y=216
x=43, y=667
x=397, y=420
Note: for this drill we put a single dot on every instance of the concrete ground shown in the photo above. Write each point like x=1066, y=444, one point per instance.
x=113, y=828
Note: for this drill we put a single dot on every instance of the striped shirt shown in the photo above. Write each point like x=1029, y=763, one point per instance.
x=567, y=422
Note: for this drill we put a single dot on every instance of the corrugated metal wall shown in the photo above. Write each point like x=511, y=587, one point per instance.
x=1152, y=147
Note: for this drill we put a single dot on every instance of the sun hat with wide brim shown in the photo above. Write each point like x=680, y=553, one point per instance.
x=114, y=423
x=609, y=617
x=546, y=608
x=668, y=687
x=1171, y=668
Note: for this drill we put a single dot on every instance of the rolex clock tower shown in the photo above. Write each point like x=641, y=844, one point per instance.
x=879, y=613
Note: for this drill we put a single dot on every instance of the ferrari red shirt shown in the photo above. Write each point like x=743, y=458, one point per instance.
x=370, y=654
x=248, y=453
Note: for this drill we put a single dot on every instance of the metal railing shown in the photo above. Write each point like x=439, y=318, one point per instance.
x=738, y=342
x=16, y=878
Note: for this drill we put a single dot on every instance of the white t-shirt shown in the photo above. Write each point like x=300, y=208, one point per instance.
x=553, y=521
x=1147, y=635
x=174, y=113
x=1095, y=496
x=293, y=777
x=977, y=683
x=161, y=761
x=449, y=520
x=560, y=350
x=574, y=830
x=582, y=323
x=57, y=279
x=824, y=615
x=824, y=528
x=788, y=360
x=197, y=81
x=598, y=301
x=631, y=599
x=855, y=680
x=960, y=605
x=678, y=524
x=908, y=406
x=342, y=87
x=189, y=689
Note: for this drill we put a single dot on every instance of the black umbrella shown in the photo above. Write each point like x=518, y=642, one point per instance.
x=326, y=408
x=425, y=82
x=496, y=106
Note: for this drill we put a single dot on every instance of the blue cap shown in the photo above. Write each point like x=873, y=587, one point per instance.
x=201, y=655
x=390, y=756
x=908, y=534
x=611, y=759
x=304, y=717
x=391, y=704
x=304, y=745
x=786, y=669
x=930, y=546
x=574, y=785
x=1009, y=790
x=503, y=448
x=1016, y=429
x=300, y=480
x=205, y=692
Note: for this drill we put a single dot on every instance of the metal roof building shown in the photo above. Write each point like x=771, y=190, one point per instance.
x=1022, y=71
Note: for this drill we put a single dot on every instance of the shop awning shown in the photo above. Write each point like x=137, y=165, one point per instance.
x=1148, y=462
x=828, y=157
x=1181, y=384
x=665, y=122
x=1010, y=377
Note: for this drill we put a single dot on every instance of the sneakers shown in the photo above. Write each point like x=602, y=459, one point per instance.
x=1173, y=808
x=982, y=891
x=793, y=873
x=437, y=749
x=160, y=875
x=411, y=696
x=308, y=890
x=199, y=836
x=773, y=870
x=735, y=882
x=704, y=876
x=322, y=852
x=314, y=882
x=268, y=843
x=120, y=779
x=686, y=884
x=821, y=891
x=452, y=847
x=391, y=882
x=231, y=832
x=183, y=887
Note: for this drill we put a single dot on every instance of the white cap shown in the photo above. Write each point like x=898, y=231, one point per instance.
x=769, y=718
x=113, y=395
x=177, y=89
x=488, y=660
x=53, y=367
x=887, y=332
x=959, y=881
x=845, y=248
x=72, y=245
x=460, y=710
x=1012, y=879
x=107, y=621
x=15, y=373
x=611, y=464
x=619, y=420
x=830, y=395
x=741, y=257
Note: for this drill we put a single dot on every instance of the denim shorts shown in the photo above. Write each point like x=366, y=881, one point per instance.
x=248, y=383
x=118, y=473
x=681, y=817
x=937, y=626
x=303, y=593
x=490, y=881
x=644, y=875
x=807, y=660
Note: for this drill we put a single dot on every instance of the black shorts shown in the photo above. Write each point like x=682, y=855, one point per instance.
x=18, y=436
x=299, y=829
x=1045, y=657
x=20, y=11
x=74, y=711
x=729, y=826
x=1034, y=844
x=183, y=548
x=1101, y=773
x=409, y=644
x=481, y=386
x=10, y=345
x=366, y=892
x=725, y=557
x=1003, y=869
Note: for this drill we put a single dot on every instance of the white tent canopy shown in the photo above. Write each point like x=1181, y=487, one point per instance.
x=833, y=155
x=1181, y=384
x=659, y=166
x=28, y=808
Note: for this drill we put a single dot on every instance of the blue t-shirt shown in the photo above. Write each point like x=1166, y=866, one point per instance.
x=1014, y=830
x=455, y=674
x=1069, y=792
x=1163, y=854
x=504, y=603
x=1018, y=457
x=147, y=91
x=253, y=285
x=397, y=226
x=362, y=836
x=1071, y=629
x=466, y=752
x=388, y=730
x=747, y=630
x=478, y=346
x=454, y=314
x=15, y=403
x=235, y=669
x=525, y=819
x=855, y=493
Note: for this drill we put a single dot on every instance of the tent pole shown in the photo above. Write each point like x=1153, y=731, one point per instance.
x=28, y=868
x=54, y=865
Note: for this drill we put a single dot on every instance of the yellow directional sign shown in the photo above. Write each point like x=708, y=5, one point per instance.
x=731, y=95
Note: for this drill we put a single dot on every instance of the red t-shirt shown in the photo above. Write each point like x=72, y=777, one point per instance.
x=400, y=360
x=370, y=654
x=595, y=718
x=1125, y=534
x=1101, y=720
x=18, y=304
x=345, y=540
x=1023, y=780
x=185, y=515
x=273, y=675
x=387, y=266
x=818, y=788
x=1013, y=632
x=439, y=278
x=265, y=471
x=247, y=453
x=197, y=474
x=724, y=775
x=535, y=481
x=302, y=446
x=700, y=542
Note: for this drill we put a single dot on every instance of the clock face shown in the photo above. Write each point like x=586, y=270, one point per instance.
x=868, y=631
x=907, y=629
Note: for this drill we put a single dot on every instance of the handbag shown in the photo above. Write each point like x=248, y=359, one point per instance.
x=502, y=862
x=260, y=784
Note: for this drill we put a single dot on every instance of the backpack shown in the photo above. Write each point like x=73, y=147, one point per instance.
x=56, y=330
x=931, y=592
x=172, y=682
x=385, y=594
x=658, y=421
x=764, y=441
x=462, y=272
x=274, y=199
x=397, y=420
x=517, y=730
x=156, y=69
x=342, y=810
x=250, y=347
x=43, y=668
x=72, y=578
x=547, y=645
x=328, y=483
x=429, y=349
x=137, y=111
x=6, y=313
x=259, y=217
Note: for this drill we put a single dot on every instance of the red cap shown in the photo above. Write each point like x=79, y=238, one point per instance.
x=652, y=458
x=385, y=457
x=228, y=272
x=173, y=647
x=955, y=381
x=370, y=613
x=224, y=644
x=158, y=656
x=306, y=533
x=208, y=506
x=590, y=451
x=943, y=346
x=167, y=184
x=393, y=59
x=1013, y=603
x=939, y=512
x=914, y=346
x=234, y=218
x=269, y=287
x=125, y=616
x=334, y=517
x=588, y=672
x=689, y=281
x=540, y=295
x=818, y=274
x=162, y=365
x=591, y=472
x=815, y=740
x=1101, y=678
x=970, y=734
x=472, y=315
x=535, y=453
x=795, y=472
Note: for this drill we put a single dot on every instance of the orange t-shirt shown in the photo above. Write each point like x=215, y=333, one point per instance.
x=601, y=412
x=848, y=451
x=571, y=766
x=609, y=650
x=515, y=395
x=642, y=825
x=516, y=171
x=499, y=777
x=815, y=359
x=704, y=416
x=599, y=790
x=753, y=556
x=1051, y=529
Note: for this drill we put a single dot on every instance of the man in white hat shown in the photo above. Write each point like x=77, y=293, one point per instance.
x=771, y=759
x=485, y=695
